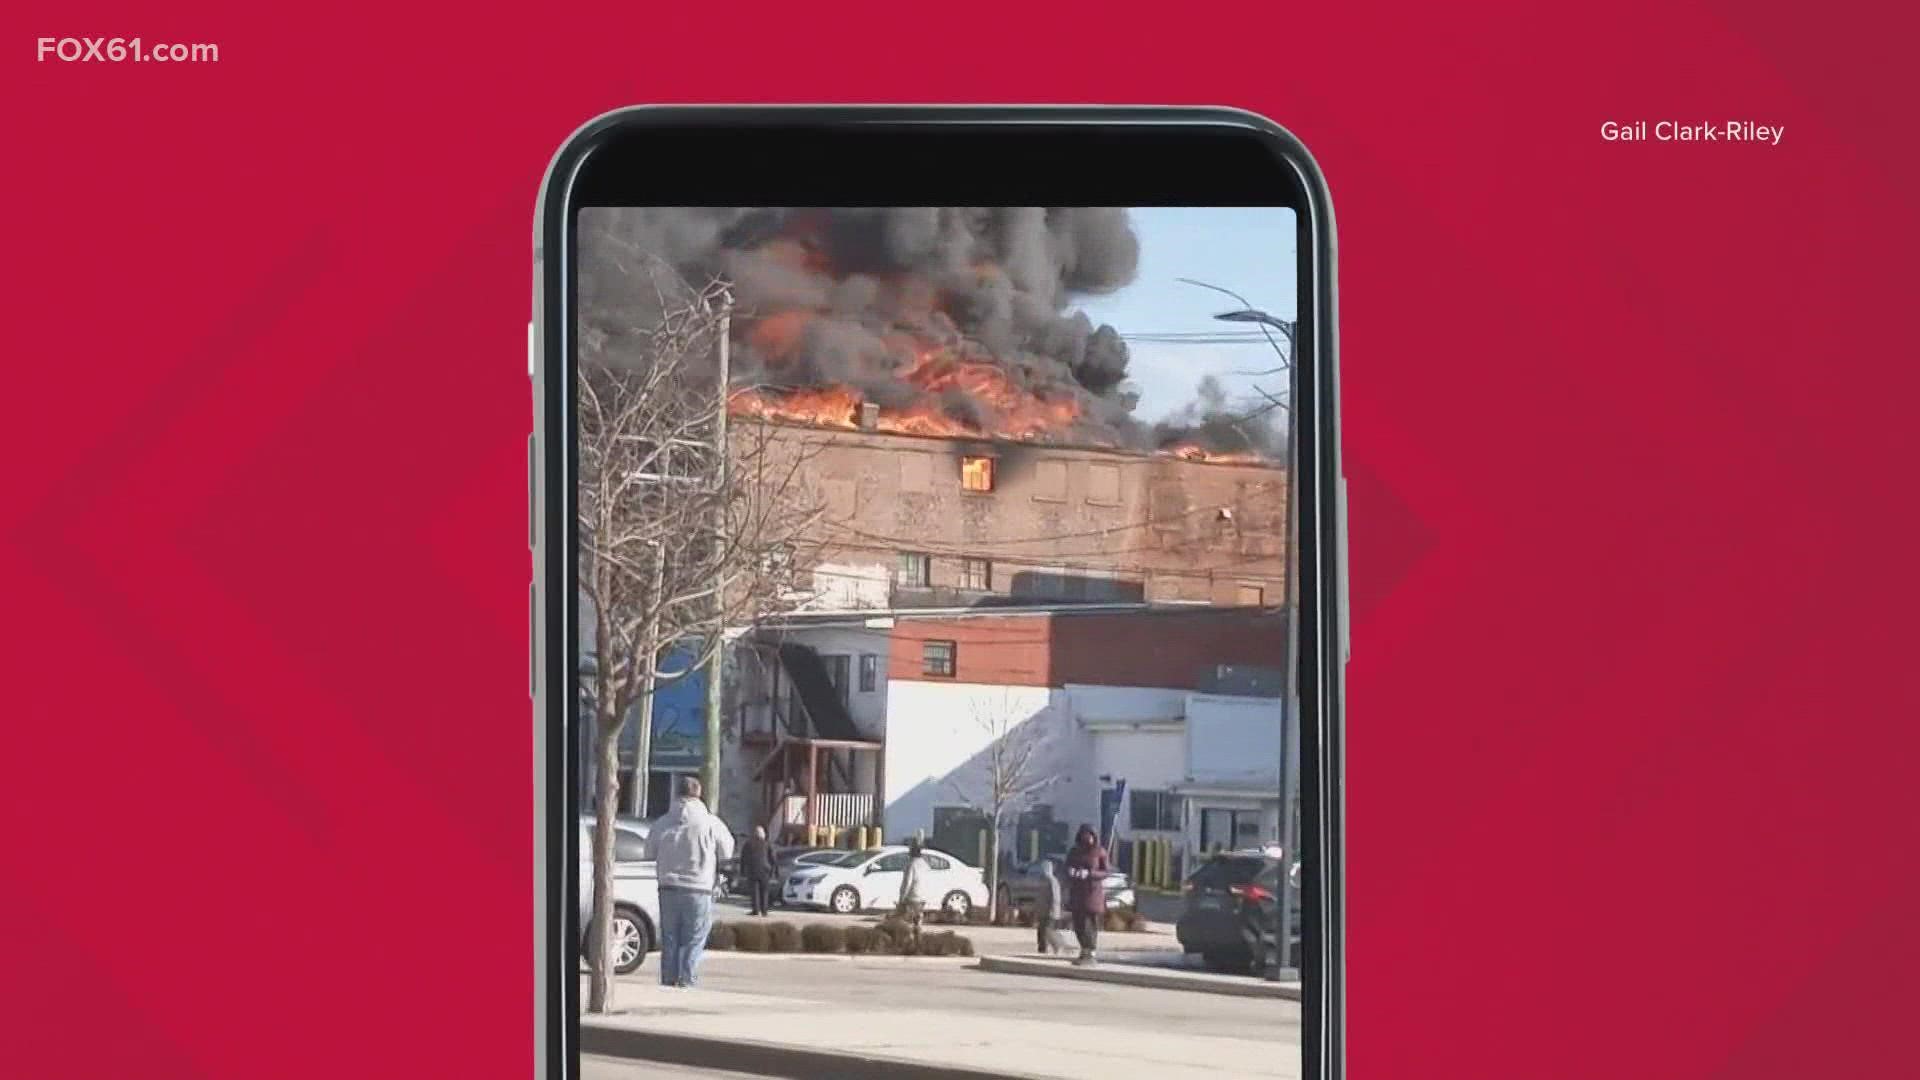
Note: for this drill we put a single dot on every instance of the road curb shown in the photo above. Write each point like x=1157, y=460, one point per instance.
x=1126, y=975
x=764, y=1058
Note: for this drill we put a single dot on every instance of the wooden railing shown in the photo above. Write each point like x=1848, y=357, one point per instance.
x=847, y=810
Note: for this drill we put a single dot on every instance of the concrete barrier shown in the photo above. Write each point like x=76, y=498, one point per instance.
x=1159, y=978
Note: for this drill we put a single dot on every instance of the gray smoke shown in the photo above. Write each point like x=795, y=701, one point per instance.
x=1216, y=423
x=982, y=282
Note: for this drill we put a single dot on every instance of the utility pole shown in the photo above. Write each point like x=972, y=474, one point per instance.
x=649, y=680
x=716, y=662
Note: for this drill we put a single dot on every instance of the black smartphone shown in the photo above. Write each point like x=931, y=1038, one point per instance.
x=938, y=602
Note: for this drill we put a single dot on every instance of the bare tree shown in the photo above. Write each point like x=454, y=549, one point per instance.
x=1009, y=773
x=684, y=527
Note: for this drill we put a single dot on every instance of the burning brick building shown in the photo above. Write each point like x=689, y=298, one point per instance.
x=917, y=521
x=971, y=440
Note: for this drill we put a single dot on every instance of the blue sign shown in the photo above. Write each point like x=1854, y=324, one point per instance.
x=679, y=716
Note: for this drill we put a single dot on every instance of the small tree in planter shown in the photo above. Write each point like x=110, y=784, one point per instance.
x=1006, y=778
x=684, y=525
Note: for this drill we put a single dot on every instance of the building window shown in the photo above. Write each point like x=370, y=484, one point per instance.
x=976, y=473
x=1228, y=830
x=976, y=574
x=837, y=674
x=1251, y=596
x=1103, y=485
x=1154, y=811
x=1050, y=481
x=915, y=571
x=869, y=672
x=936, y=659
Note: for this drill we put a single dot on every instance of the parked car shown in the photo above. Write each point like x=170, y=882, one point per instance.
x=864, y=880
x=1224, y=897
x=1025, y=885
x=636, y=896
x=787, y=859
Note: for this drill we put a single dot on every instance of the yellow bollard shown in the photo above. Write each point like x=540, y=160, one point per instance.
x=1166, y=864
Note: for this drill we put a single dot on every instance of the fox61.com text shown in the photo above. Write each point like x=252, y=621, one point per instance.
x=104, y=50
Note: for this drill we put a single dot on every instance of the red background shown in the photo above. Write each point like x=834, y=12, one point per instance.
x=1629, y=429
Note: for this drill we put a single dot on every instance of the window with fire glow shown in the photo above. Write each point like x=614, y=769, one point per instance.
x=976, y=473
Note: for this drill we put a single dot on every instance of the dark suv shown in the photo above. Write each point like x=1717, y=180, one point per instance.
x=1231, y=900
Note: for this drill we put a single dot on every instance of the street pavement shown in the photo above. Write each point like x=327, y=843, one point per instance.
x=596, y=1067
x=987, y=940
x=948, y=1012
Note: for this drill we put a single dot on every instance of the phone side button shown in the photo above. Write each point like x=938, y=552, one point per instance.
x=533, y=640
x=1345, y=613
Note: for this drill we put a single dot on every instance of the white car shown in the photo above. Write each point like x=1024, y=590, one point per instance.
x=864, y=880
x=636, y=895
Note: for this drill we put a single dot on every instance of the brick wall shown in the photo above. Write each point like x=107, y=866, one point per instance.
x=1004, y=650
x=1060, y=523
x=1175, y=649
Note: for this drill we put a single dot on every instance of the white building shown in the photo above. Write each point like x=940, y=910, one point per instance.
x=893, y=720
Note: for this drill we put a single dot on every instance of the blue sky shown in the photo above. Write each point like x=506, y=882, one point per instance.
x=1247, y=249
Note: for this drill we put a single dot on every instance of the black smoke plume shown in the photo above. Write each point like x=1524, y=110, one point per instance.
x=988, y=283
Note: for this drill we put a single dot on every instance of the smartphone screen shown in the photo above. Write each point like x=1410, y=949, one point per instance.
x=932, y=699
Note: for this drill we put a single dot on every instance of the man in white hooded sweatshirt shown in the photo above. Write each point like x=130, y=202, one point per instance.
x=687, y=846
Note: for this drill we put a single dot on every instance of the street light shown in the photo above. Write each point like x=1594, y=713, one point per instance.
x=1254, y=315
x=1289, y=721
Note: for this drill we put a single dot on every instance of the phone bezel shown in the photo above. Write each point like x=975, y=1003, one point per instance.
x=940, y=155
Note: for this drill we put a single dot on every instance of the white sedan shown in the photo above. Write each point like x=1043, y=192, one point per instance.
x=863, y=880
x=636, y=895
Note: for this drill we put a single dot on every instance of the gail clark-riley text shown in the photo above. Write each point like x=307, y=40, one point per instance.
x=1674, y=131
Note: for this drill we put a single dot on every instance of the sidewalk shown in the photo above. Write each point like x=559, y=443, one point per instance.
x=791, y=1037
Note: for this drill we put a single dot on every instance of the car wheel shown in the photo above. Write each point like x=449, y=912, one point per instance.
x=845, y=900
x=957, y=904
x=632, y=940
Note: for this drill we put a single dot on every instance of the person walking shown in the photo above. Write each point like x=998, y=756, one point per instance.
x=687, y=846
x=756, y=865
x=1087, y=870
x=1052, y=911
x=913, y=891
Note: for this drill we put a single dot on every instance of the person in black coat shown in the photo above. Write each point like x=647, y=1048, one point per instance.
x=756, y=867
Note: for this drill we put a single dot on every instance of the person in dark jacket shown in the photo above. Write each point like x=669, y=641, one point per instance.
x=1052, y=910
x=1087, y=870
x=756, y=866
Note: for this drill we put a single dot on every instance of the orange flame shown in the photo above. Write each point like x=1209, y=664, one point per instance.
x=1196, y=452
x=1006, y=409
